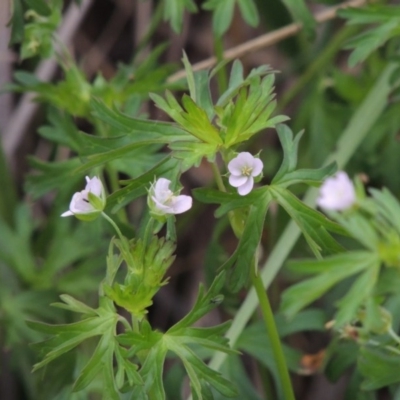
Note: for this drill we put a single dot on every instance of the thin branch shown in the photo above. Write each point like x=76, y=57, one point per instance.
x=266, y=40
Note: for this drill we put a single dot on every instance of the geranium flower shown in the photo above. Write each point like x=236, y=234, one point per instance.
x=337, y=193
x=243, y=168
x=162, y=200
x=88, y=203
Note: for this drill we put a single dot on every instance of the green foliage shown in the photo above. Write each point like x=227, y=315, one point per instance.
x=223, y=13
x=180, y=339
x=97, y=322
x=301, y=13
x=329, y=272
x=379, y=368
x=125, y=357
x=33, y=24
x=386, y=16
x=174, y=12
x=146, y=269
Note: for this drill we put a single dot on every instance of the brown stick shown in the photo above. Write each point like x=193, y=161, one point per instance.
x=266, y=40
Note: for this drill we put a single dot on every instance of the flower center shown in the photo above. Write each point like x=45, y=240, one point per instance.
x=246, y=170
x=168, y=197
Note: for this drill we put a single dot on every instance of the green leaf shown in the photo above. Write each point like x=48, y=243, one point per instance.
x=173, y=12
x=361, y=228
x=196, y=370
x=199, y=87
x=71, y=304
x=191, y=153
x=17, y=23
x=193, y=119
x=360, y=291
x=312, y=177
x=251, y=112
x=137, y=129
x=222, y=16
x=312, y=223
x=367, y=42
x=39, y=6
x=302, y=14
x=246, y=252
x=49, y=175
x=290, y=150
x=330, y=271
x=249, y=12
x=103, y=158
x=68, y=336
x=134, y=188
x=100, y=357
x=379, y=367
x=228, y=201
x=388, y=206
x=371, y=13
x=205, y=302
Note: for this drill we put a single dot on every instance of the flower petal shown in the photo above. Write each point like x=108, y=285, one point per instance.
x=80, y=203
x=164, y=209
x=337, y=193
x=237, y=181
x=181, y=204
x=162, y=185
x=257, y=167
x=67, y=214
x=235, y=166
x=246, y=188
x=94, y=186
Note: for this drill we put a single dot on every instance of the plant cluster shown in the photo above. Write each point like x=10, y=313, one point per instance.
x=353, y=244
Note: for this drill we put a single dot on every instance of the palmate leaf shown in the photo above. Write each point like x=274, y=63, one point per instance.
x=237, y=81
x=191, y=117
x=329, y=272
x=177, y=340
x=251, y=111
x=135, y=128
x=387, y=16
x=290, y=147
x=379, y=367
x=99, y=322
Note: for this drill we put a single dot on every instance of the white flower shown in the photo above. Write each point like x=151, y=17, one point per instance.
x=162, y=200
x=88, y=203
x=243, y=169
x=337, y=193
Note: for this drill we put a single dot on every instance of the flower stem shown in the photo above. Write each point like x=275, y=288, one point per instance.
x=218, y=177
x=268, y=316
x=273, y=335
x=124, y=241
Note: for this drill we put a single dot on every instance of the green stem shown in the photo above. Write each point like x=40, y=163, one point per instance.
x=218, y=177
x=272, y=332
x=268, y=316
x=125, y=323
x=222, y=77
